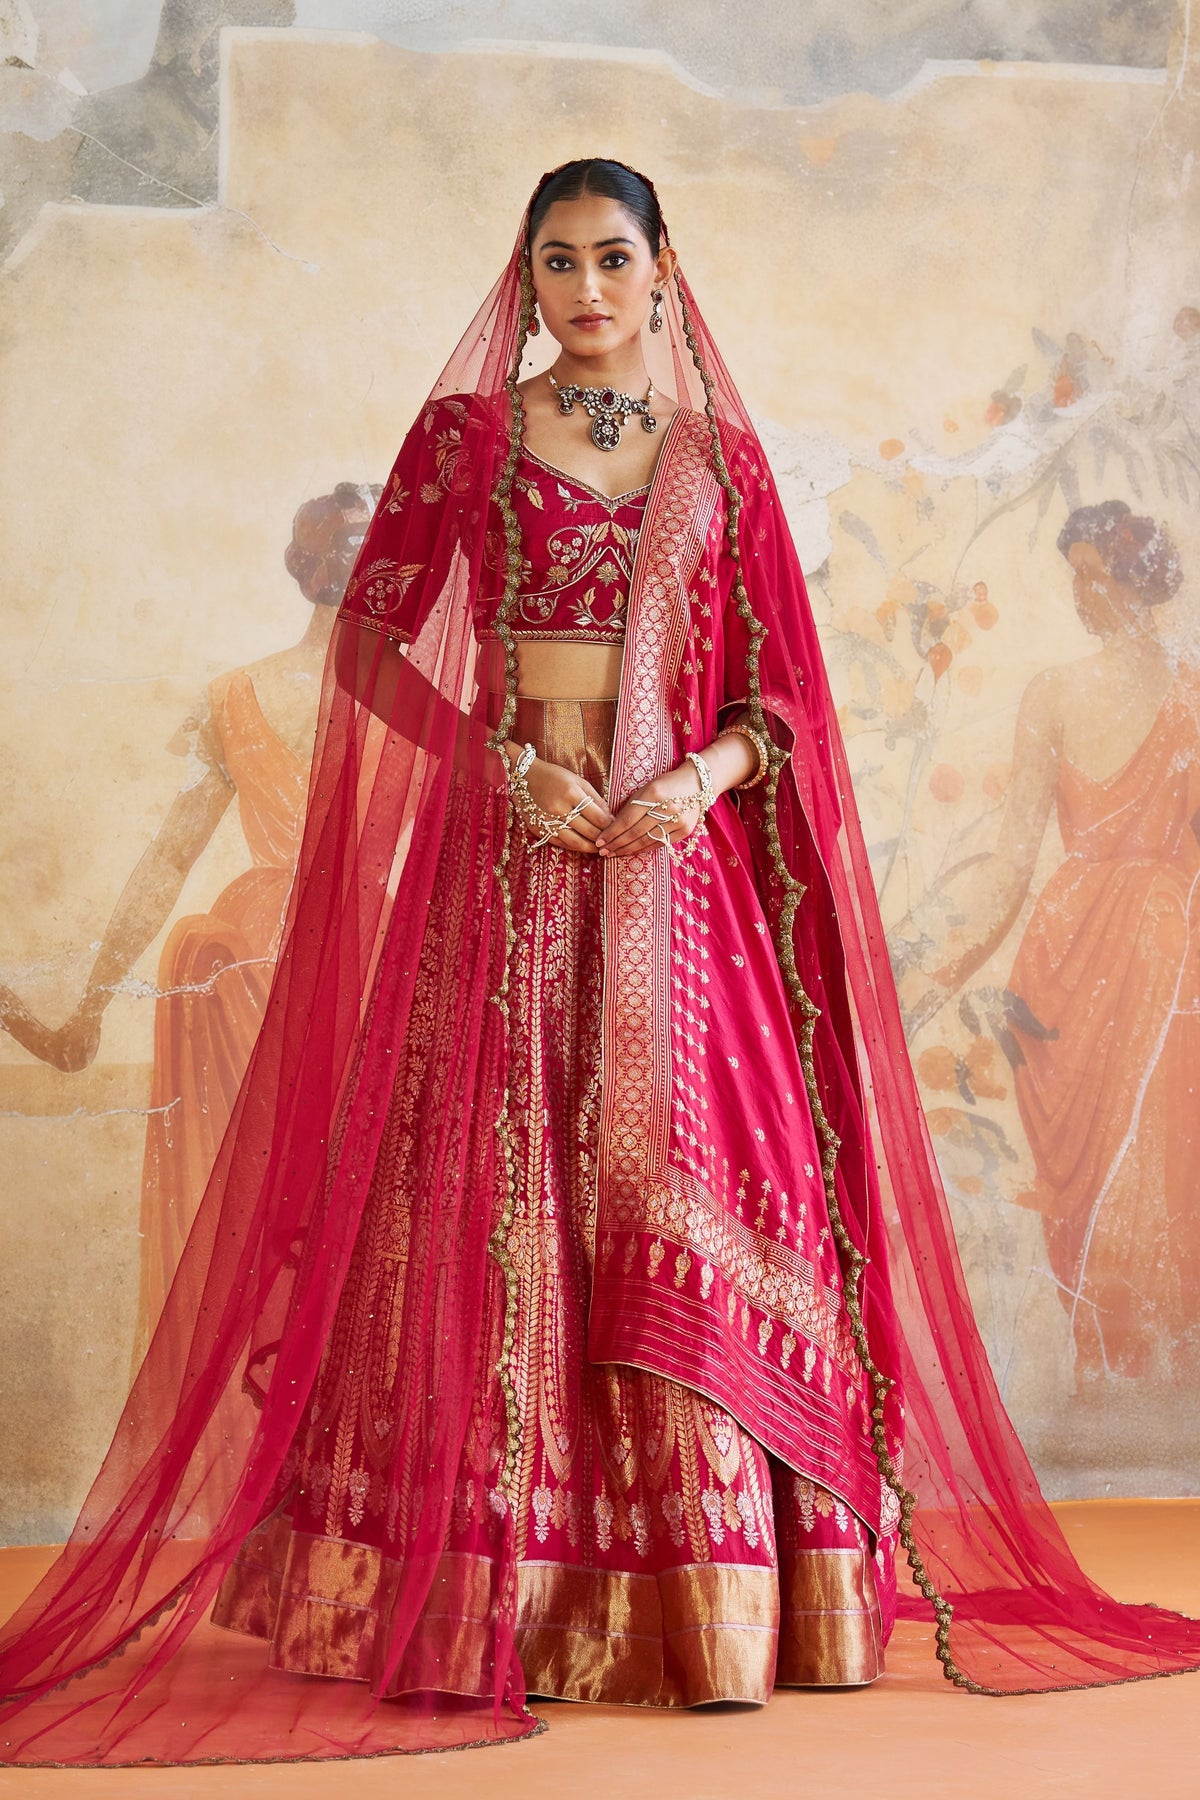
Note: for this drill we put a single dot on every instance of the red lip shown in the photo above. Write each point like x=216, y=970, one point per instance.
x=590, y=319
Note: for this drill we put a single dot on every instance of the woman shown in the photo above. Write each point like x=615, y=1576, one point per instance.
x=250, y=738
x=541, y=1291
x=1109, y=963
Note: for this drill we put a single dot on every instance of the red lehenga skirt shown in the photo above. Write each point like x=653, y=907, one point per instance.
x=665, y=1558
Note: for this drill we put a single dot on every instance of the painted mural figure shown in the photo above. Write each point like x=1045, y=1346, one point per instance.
x=1108, y=966
x=572, y=1308
x=251, y=742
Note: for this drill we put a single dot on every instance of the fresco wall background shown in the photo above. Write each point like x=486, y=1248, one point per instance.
x=946, y=250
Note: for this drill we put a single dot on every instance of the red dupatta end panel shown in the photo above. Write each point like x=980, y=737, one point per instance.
x=715, y=1264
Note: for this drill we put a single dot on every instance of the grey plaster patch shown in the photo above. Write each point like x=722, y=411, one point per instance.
x=145, y=132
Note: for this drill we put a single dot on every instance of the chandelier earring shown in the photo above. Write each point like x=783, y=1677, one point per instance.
x=656, y=313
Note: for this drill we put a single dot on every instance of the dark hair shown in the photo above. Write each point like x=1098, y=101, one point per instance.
x=1134, y=548
x=326, y=534
x=610, y=180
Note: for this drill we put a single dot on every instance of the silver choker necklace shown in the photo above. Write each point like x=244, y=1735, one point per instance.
x=606, y=408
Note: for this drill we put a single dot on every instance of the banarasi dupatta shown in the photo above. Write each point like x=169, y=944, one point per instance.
x=113, y=1658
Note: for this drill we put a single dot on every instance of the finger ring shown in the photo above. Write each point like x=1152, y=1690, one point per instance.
x=552, y=824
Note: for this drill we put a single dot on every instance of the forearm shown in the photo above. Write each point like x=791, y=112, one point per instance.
x=150, y=895
x=990, y=906
x=139, y=915
x=731, y=758
x=959, y=955
x=380, y=676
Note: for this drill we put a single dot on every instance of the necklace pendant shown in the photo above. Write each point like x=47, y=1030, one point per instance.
x=649, y=423
x=606, y=432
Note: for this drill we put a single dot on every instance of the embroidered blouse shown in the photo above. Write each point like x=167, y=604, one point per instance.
x=578, y=547
x=577, y=544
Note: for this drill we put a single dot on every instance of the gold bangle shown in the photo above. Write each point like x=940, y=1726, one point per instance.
x=760, y=745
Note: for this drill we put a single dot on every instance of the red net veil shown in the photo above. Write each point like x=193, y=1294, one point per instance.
x=380, y=1001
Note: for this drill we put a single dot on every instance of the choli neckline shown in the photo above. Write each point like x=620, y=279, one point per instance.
x=612, y=501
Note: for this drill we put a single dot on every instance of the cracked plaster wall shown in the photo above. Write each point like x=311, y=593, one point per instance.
x=929, y=289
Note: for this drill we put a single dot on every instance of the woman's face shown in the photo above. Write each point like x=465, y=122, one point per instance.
x=1102, y=601
x=593, y=273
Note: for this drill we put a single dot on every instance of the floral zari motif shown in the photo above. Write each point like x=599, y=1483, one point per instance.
x=714, y=1261
x=578, y=550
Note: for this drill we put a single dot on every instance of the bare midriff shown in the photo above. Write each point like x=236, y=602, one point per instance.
x=559, y=669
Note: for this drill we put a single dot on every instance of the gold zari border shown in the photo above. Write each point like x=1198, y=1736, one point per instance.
x=679, y=1637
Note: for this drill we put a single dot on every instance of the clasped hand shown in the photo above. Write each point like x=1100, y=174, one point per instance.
x=596, y=830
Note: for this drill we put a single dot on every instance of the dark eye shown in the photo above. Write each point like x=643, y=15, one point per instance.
x=617, y=258
x=558, y=262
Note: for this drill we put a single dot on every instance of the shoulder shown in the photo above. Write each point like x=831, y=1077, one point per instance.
x=224, y=688
x=1041, y=705
x=461, y=410
x=455, y=416
x=449, y=443
x=199, y=734
x=216, y=692
x=745, y=457
x=1187, y=680
x=741, y=451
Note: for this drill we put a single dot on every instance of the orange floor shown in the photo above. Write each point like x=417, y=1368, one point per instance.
x=909, y=1735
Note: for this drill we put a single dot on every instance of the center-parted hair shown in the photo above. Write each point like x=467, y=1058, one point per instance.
x=610, y=181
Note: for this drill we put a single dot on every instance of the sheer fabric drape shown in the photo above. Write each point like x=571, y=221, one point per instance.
x=403, y=776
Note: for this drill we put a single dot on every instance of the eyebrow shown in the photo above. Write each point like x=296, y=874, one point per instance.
x=601, y=244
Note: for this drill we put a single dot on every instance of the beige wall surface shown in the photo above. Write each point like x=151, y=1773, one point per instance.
x=957, y=309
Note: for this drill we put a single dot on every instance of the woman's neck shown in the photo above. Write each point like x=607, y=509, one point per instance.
x=623, y=369
x=1133, y=639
